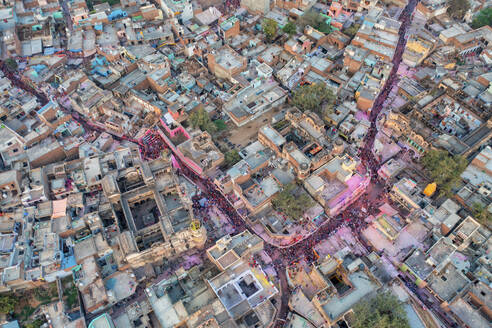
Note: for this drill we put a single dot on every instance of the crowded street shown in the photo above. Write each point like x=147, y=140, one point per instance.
x=210, y=199
x=353, y=217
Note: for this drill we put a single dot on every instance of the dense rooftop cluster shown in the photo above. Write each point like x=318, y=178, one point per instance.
x=254, y=163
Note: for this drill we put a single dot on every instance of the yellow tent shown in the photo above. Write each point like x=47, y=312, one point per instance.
x=450, y=66
x=430, y=189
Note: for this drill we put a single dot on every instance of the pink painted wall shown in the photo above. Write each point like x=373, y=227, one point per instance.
x=177, y=130
x=356, y=185
x=185, y=160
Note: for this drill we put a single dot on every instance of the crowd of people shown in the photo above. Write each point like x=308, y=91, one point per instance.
x=366, y=153
x=232, y=5
x=213, y=198
x=353, y=217
x=151, y=145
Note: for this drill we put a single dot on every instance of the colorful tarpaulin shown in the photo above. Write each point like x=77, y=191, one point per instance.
x=59, y=208
x=430, y=189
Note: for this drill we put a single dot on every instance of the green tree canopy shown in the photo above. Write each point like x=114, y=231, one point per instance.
x=71, y=295
x=220, y=124
x=444, y=169
x=11, y=64
x=458, y=8
x=315, y=20
x=352, y=30
x=200, y=119
x=292, y=203
x=290, y=29
x=269, y=28
x=315, y=97
x=483, y=18
x=7, y=303
x=482, y=214
x=382, y=311
x=231, y=158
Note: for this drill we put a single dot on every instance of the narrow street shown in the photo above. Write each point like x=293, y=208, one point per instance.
x=44, y=99
x=302, y=249
x=66, y=14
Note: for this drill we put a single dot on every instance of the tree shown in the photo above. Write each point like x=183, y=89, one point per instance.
x=444, y=169
x=200, y=119
x=71, y=295
x=458, y=8
x=483, y=18
x=482, y=214
x=269, y=28
x=312, y=97
x=220, y=125
x=231, y=158
x=292, y=203
x=382, y=311
x=90, y=4
x=290, y=29
x=7, y=304
x=11, y=64
x=315, y=20
x=352, y=30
